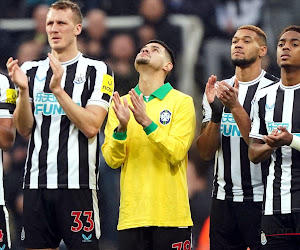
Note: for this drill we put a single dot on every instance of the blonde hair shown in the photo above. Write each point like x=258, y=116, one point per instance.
x=67, y=4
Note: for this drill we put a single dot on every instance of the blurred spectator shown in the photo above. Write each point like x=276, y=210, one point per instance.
x=95, y=34
x=157, y=26
x=29, y=51
x=6, y=48
x=230, y=14
x=120, y=7
x=199, y=174
x=30, y=5
x=122, y=51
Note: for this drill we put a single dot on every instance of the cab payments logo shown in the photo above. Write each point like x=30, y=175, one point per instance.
x=86, y=238
x=3, y=247
x=165, y=117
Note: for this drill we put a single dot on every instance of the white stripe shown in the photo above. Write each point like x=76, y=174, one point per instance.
x=92, y=162
x=96, y=214
x=2, y=202
x=7, y=226
x=221, y=181
x=256, y=182
x=236, y=169
x=286, y=177
x=269, y=190
x=73, y=157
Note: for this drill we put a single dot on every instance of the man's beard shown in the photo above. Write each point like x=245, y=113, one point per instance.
x=142, y=61
x=243, y=62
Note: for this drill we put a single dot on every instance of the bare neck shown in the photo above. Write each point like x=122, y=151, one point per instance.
x=148, y=83
x=66, y=54
x=290, y=76
x=247, y=74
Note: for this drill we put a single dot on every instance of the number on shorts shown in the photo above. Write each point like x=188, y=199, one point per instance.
x=186, y=245
x=79, y=223
x=1, y=235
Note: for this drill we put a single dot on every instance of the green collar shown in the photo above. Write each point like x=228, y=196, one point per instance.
x=160, y=93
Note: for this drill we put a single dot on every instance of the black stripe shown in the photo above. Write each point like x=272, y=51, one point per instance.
x=29, y=157
x=31, y=75
x=83, y=160
x=62, y=155
x=261, y=113
x=106, y=97
x=45, y=127
x=249, y=97
x=89, y=85
x=278, y=109
x=97, y=157
x=109, y=70
x=8, y=106
x=245, y=171
x=227, y=166
x=277, y=181
x=271, y=78
x=215, y=182
x=295, y=171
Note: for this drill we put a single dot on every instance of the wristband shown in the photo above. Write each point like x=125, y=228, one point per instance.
x=295, y=144
x=217, y=110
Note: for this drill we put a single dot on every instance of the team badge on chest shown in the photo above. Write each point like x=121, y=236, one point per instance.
x=165, y=117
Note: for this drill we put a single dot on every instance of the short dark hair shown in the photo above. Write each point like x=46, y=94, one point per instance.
x=67, y=4
x=290, y=28
x=170, y=52
x=261, y=34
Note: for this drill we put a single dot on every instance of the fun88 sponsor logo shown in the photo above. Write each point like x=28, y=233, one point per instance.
x=229, y=126
x=273, y=125
x=47, y=104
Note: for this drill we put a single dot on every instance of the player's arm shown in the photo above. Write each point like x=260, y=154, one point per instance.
x=87, y=119
x=7, y=106
x=228, y=95
x=209, y=140
x=177, y=142
x=7, y=133
x=114, y=146
x=23, y=117
x=259, y=151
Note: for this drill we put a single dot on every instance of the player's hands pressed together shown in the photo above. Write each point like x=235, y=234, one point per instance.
x=58, y=71
x=227, y=94
x=214, y=102
x=139, y=109
x=16, y=74
x=279, y=137
x=122, y=111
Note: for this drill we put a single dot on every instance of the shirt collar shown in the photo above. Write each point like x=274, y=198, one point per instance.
x=160, y=93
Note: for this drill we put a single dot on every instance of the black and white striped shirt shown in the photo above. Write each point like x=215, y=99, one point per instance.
x=279, y=105
x=8, y=96
x=59, y=155
x=235, y=177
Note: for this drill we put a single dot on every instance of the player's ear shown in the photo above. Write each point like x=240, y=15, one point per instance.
x=168, y=67
x=263, y=51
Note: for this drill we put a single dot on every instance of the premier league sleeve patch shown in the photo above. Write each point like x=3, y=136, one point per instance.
x=165, y=117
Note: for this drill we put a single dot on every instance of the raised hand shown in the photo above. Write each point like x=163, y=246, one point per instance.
x=16, y=74
x=227, y=94
x=58, y=71
x=122, y=111
x=210, y=90
x=139, y=109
